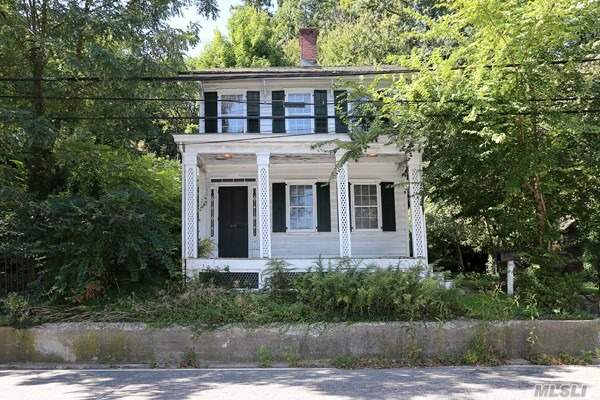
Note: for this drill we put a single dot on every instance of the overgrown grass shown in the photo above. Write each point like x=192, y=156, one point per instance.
x=338, y=294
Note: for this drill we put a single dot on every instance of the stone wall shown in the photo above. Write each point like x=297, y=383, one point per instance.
x=133, y=343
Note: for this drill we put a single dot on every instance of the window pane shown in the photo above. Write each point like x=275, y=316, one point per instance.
x=299, y=125
x=301, y=207
x=365, y=207
x=235, y=107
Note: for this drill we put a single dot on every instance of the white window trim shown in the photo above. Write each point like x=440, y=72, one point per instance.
x=226, y=92
x=311, y=108
x=353, y=208
x=288, y=208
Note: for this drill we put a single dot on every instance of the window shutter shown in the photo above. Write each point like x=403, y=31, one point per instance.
x=279, y=207
x=323, y=207
x=320, y=99
x=341, y=110
x=278, y=110
x=253, y=110
x=388, y=207
x=210, y=112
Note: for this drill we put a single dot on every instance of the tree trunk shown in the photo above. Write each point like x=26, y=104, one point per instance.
x=541, y=213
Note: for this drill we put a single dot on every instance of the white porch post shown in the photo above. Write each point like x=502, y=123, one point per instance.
x=343, y=205
x=189, y=204
x=264, y=204
x=415, y=185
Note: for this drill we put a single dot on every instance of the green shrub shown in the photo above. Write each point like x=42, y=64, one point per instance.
x=553, y=292
x=477, y=282
x=390, y=293
x=481, y=351
x=93, y=246
x=264, y=357
x=16, y=308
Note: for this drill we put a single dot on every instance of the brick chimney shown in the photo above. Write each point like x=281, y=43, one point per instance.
x=308, y=47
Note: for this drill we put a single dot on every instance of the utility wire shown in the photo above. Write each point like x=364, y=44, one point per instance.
x=186, y=76
x=287, y=104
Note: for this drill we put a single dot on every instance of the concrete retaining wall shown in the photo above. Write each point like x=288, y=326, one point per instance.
x=132, y=343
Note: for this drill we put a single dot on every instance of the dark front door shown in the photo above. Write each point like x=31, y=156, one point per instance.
x=233, y=221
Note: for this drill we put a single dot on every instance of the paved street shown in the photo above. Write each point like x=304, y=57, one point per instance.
x=508, y=382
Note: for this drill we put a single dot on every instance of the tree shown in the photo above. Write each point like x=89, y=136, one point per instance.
x=40, y=39
x=250, y=42
x=506, y=114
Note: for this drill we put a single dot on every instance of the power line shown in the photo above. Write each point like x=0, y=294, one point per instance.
x=286, y=104
x=191, y=76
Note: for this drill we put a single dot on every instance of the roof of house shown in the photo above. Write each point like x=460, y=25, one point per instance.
x=290, y=72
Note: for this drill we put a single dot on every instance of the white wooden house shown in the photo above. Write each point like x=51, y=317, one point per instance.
x=254, y=184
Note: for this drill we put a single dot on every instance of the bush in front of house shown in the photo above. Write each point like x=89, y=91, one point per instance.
x=392, y=293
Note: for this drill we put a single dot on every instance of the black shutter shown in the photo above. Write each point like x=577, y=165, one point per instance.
x=253, y=110
x=320, y=111
x=341, y=111
x=277, y=109
x=323, y=208
x=210, y=112
x=279, y=207
x=388, y=207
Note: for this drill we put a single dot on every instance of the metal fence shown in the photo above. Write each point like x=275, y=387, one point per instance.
x=16, y=273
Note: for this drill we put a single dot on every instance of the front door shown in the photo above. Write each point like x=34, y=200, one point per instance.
x=233, y=221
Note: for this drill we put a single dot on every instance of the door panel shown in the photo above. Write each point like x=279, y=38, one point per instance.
x=233, y=221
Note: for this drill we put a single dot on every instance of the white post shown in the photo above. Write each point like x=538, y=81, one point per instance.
x=189, y=202
x=343, y=204
x=415, y=186
x=510, y=277
x=264, y=204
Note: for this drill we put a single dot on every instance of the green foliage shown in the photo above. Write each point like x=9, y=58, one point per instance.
x=251, y=42
x=16, y=308
x=481, y=350
x=584, y=358
x=264, y=357
x=189, y=359
x=557, y=294
x=391, y=293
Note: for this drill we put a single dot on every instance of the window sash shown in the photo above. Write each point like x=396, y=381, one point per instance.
x=234, y=109
x=300, y=125
x=301, y=207
x=366, y=207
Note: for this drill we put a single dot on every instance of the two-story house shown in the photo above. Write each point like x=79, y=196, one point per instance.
x=255, y=185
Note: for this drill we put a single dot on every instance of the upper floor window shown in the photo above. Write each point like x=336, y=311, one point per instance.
x=295, y=108
x=232, y=105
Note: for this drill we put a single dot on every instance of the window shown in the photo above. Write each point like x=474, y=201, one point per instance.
x=301, y=207
x=232, y=105
x=299, y=125
x=366, y=207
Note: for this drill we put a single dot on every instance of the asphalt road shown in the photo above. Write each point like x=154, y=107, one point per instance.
x=505, y=383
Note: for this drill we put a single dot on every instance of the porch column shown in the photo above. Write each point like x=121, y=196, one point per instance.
x=189, y=205
x=343, y=205
x=264, y=204
x=415, y=186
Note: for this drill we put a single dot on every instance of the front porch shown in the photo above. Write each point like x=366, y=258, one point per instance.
x=286, y=200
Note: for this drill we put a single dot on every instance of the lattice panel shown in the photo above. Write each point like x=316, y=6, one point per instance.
x=343, y=211
x=418, y=219
x=264, y=208
x=191, y=212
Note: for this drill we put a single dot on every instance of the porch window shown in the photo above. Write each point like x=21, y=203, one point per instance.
x=366, y=213
x=301, y=207
x=232, y=105
x=299, y=125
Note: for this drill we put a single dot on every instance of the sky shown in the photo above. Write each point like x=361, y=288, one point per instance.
x=208, y=26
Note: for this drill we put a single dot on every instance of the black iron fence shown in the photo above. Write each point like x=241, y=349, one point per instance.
x=16, y=273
